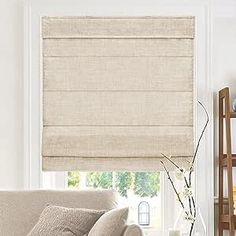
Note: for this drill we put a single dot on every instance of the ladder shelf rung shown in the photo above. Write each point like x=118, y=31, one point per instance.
x=225, y=163
x=233, y=155
x=225, y=160
x=225, y=221
x=232, y=114
x=225, y=218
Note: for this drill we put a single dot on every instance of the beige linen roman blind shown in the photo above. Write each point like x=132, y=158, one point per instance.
x=117, y=92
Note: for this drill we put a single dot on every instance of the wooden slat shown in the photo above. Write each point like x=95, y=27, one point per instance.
x=233, y=156
x=226, y=218
x=225, y=162
x=119, y=73
x=117, y=47
x=118, y=108
x=117, y=141
x=233, y=114
x=76, y=27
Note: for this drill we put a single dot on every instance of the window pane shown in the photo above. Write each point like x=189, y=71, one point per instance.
x=133, y=188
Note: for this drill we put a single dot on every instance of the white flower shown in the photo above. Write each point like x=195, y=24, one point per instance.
x=189, y=217
x=179, y=174
x=188, y=192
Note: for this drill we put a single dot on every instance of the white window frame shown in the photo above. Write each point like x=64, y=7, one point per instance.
x=34, y=9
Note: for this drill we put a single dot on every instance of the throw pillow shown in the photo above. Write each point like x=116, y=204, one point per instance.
x=61, y=221
x=111, y=223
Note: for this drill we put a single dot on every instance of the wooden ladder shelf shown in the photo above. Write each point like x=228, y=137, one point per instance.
x=227, y=160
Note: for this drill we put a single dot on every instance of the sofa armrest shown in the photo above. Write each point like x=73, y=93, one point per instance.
x=133, y=230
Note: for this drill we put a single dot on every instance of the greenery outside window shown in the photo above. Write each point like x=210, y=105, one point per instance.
x=133, y=188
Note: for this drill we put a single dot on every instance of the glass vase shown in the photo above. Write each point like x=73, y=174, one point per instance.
x=199, y=226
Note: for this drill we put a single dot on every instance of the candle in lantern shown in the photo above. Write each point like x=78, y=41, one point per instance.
x=174, y=232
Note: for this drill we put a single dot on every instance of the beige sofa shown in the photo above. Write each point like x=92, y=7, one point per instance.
x=20, y=210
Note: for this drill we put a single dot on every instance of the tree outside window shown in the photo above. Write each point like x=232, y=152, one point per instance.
x=143, y=184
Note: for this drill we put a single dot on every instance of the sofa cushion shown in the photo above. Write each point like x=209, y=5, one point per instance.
x=20, y=210
x=112, y=223
x=55, y=221
x=133, y=230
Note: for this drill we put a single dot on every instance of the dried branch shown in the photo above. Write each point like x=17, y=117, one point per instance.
x=195, y=214
x=166, y=157
x=203, y=131
x=185, y=179
x=172, y=183
x=180, y=169
x=198, y=143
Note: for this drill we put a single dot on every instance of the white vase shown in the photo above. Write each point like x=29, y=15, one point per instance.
x=184, y=226
x=174, y=232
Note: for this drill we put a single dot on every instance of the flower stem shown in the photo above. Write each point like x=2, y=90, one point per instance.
x=191, y=229
x=175, y=190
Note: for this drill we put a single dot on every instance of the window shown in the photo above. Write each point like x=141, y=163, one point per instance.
x=144, y=213
x=136, y=189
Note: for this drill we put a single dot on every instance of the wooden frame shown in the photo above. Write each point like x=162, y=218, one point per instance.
x=226, y=160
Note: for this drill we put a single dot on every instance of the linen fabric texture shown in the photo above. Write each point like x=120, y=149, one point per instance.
x=112, y=223
x=61, y=221
x=117, y=92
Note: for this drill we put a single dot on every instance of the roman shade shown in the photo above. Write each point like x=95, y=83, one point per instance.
x=117, y=92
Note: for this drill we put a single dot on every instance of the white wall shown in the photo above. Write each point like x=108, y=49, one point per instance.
x=223, y=45
x=224, y=49
x=11, y=94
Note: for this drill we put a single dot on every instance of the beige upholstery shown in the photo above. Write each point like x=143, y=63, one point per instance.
x=57, y=220
x=20, y=210
x=112, y=223
x=133, y=230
